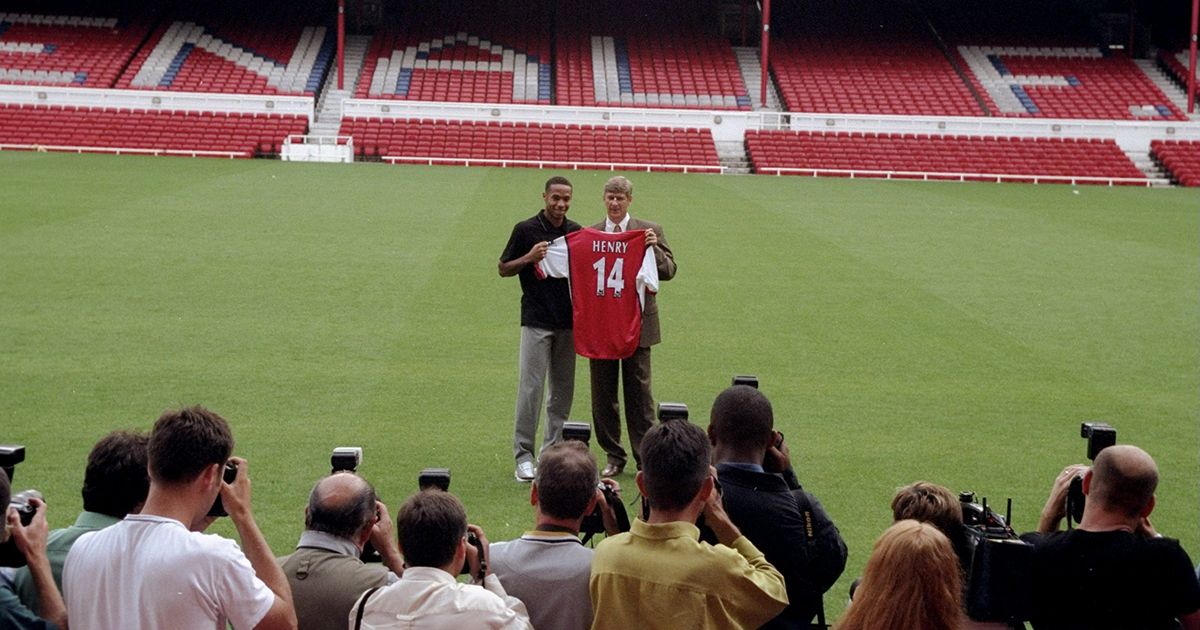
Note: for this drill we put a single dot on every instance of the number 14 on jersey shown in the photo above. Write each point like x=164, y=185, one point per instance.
x=615, y=279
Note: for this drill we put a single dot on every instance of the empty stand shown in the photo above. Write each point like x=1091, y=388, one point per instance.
x=864, y=58
x=1004, y=158
x=287, y=52
x=456, y=51
x=563, y=145
x=1180, y=157
x=74, y=50
x=666, y=56
x=1176, y=64
x=111, y=130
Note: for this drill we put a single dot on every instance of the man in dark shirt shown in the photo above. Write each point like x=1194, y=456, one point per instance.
x=763, y=498
x=1114, y=570
x=547, y=343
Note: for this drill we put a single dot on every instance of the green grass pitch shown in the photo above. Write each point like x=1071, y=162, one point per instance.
x=952, y=332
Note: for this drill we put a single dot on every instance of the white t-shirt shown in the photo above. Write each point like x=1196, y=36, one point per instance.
x=151, y=572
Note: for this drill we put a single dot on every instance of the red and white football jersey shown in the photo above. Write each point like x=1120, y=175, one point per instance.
x=609, y=274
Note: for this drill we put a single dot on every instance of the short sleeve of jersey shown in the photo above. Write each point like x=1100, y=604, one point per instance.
x=647, y=277
x=513, y=249
x=244, y=598
x=556, y=264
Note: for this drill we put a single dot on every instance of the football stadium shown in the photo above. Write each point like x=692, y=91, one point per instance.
x=946, y=240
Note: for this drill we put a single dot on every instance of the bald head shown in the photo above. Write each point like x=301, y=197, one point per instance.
x=342, y=504
x=1124, y=478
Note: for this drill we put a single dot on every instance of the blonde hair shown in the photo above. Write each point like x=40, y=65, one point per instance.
x=911, y=581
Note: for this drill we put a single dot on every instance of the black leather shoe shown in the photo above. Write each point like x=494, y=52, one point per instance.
x=612, y=470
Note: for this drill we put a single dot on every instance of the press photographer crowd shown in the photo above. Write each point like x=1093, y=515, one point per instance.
x=722, y=535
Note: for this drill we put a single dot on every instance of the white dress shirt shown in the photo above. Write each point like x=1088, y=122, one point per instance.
x=426, y=598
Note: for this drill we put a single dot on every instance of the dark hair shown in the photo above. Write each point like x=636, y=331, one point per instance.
x=340, y=514
x=185, y=442
x=675, y=463
x=558, y=180
x=116, y=480
x=566, y=479
x=741, y=418
x=430, y=525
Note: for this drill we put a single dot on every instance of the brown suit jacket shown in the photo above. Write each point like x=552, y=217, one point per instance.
x=665, y=260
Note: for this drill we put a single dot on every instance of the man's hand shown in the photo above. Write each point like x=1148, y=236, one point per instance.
x=607, y=515
x=473, y=559
x=716, y=518
x=537, y=252
x=236, y=496
x=30, y=539
x=384, y=542
x=1146, y=528
x=778, y=458
x=651, y=238
x=1056, y=505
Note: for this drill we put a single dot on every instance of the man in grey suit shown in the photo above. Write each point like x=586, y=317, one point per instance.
x=633, y=371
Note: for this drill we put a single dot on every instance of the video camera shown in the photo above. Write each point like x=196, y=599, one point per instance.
x=10, y=456
x=999, y=563
x=228, y=476
x=1099, y=436
x=593, y=523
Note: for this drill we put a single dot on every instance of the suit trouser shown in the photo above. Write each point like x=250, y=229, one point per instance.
x=543, y=352
x=639, y=405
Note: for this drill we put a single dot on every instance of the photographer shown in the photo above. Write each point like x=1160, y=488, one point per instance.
x=115, y=484
x=433, y=535
x=325, y=572
x=156, y=569
x=764, y=499
x=1114, y=570
x=548, y=568
x=31, y=541
x=659, y=574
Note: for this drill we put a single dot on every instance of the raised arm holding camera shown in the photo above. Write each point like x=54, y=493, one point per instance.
x=437, y=541
x=132, y=574
x=30, y=540
x=1113, y=570
x=761, y=494
x=548, y=567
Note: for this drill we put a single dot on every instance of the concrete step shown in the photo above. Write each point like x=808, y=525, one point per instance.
x=1173, y=91
x=751, y=67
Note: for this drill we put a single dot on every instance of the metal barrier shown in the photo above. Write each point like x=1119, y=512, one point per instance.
x=961, y=177
x=556, y=164
x=124, y=150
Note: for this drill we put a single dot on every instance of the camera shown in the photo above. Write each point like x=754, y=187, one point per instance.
x=10, y=456
x=593, y=523
x=473, y=540
x=228, y=476
x=1099, y=436
x=745, y=379
x=434, y=479
x=996, y=562
x=581, y=431
x=672, y=411
x=345, y=459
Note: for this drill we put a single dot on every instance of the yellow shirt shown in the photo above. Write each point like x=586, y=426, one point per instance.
x=662, y=576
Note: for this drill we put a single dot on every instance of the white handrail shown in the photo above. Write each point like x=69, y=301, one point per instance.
x=121, y=150
x=557, y=164
x=955, y=176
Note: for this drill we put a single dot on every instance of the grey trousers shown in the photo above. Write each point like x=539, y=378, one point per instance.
x=543, y=353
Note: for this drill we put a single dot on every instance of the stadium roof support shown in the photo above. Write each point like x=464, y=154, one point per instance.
x=341, y=42
x=1192, y=58
x=766, y=48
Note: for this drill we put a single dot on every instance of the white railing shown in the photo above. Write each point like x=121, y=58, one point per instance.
x=555, y=164
x=960, y=177
x=123, y=150
x=154, y=100
x=302, y=148
x=731, y=126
